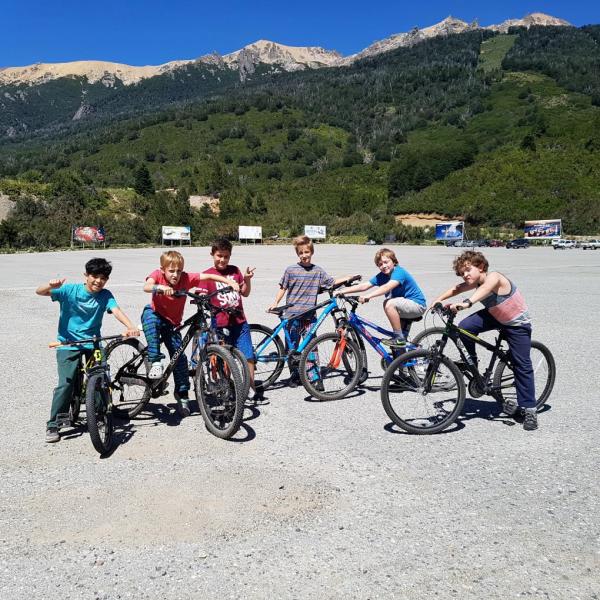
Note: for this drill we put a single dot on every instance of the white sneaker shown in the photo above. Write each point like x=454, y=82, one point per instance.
x=156, y=371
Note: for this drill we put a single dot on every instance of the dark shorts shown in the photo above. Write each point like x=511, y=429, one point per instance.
x=239, y=337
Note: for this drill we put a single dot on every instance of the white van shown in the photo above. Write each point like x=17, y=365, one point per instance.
x=560, y=244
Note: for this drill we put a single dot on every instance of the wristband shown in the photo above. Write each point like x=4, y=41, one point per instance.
x=468, y=302
x=155, y=289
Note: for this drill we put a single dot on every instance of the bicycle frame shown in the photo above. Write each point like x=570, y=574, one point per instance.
x=330, y=306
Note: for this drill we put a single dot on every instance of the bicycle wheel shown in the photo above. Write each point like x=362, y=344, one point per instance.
x=128, y=361
x=420, y=398
x=270, y=356
x=218, y=388
x=242, y=364
x=428, y=337
x=330, y=366
x=544, y=373
x=98, y=410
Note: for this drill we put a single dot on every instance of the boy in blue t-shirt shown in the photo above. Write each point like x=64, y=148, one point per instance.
x=82, y=307
x=404, y=298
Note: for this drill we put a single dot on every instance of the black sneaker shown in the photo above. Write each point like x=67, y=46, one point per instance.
x=52, y=435
x=510, y=407
x=294, y=381
x=319, y=385
x=530, y=422
x=183, y=403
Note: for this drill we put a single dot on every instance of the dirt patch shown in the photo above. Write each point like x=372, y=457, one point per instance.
x=6, y=205
x=423, y=219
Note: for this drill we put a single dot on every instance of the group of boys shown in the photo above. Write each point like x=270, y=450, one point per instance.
x=83, y=305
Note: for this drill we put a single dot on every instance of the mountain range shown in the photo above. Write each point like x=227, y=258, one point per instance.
x=245, y=60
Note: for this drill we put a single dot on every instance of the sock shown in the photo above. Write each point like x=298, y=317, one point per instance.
x=398, y=334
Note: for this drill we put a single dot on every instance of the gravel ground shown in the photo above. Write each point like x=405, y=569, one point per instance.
x=312, y=499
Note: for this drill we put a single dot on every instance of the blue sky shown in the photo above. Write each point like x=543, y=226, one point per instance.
x=140, y=32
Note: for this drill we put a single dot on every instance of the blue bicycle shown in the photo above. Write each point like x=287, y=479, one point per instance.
x=328, y=372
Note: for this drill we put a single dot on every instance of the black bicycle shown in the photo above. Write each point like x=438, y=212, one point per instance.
x=92, y=386
x=423, y=391
x=217, y=380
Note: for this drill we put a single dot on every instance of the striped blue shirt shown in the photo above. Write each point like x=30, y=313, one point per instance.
x=302, y=284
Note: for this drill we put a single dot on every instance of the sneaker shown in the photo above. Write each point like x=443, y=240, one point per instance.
x=319, y=385
x=530, y=422
x=183, y=404
x=294, y=381
x=52, y=435
x=156, y=370
x=394, y=342
x=510, y=407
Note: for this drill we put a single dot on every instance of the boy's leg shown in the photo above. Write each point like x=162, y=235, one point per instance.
x=519, y=342
x=172, y=340
x=239, y=337
x=151, y=324
x=294, y=329
x=397, y=311
x=477, y=323
x=67, y=364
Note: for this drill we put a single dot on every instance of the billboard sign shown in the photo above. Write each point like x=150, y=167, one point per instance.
x=89, y=234
x=315, y=232
x=177, y=233
x=551, y=228
x=451, y=230
x=249, y=232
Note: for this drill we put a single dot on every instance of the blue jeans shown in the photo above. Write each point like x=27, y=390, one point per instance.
x=519, y=343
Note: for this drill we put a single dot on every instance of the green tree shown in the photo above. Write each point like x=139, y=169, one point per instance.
x=143, y=182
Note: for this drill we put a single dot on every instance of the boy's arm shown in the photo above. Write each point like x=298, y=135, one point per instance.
x=152, y=287
x=344, y=278
x=246, y=287
x=359, y=287
x=213, y=277
x=53, y=284
x=459, y=288
x=132, y=330
x=278, y=297
x=380, y=290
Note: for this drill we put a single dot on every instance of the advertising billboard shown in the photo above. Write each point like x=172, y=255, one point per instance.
x=177, y=233
x=315, y=232
x=89, y=234
x=250, y=232
x=451, y=230
x=551, y=228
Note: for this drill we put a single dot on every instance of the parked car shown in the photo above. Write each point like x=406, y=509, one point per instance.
x=496, y=244
x=518, y=243
x=563, y=244
x=591, y=245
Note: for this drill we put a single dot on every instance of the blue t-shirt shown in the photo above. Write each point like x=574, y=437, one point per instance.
x=407, y=286
x=81, y=312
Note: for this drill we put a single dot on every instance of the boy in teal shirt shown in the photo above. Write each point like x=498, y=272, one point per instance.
x=82, y=307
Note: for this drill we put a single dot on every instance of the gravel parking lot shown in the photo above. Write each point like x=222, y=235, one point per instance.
x=321, y=500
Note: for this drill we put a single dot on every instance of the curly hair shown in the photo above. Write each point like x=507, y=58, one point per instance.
x=471, y=257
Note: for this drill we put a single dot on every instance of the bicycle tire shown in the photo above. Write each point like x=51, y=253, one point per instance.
x=338, y=373
x=271, y=361
x=427, y=338
x=407, y=403
x=98, y=410
x=128, y=360
x=219, y=389
x=242, y=364
x=544, y=371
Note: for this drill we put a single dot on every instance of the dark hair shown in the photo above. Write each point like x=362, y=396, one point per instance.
x=222, y=244
x=98, y=266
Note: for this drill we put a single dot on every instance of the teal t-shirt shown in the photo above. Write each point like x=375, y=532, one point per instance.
x=81, y=312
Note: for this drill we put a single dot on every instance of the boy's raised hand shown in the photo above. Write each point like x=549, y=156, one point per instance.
x=249, y=274
x=53, y=284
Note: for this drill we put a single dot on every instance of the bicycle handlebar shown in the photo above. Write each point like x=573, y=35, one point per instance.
x=203, y=298
x=92, y=340
x=337, y=286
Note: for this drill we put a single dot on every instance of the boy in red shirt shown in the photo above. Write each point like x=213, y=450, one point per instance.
x=161, y=318
x=235, y=328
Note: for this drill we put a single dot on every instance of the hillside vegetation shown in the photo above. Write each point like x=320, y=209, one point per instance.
x=493, y=128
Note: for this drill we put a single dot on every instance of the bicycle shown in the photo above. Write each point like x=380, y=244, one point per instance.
x=217, y=381
x=437, y=381
x=271, y=354
x=92, y=386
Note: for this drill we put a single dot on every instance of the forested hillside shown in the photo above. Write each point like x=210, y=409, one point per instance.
x=495, y=129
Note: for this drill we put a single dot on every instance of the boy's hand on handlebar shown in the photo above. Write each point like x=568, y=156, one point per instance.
x=363, y=299
x=132, y=332
x=234, y=285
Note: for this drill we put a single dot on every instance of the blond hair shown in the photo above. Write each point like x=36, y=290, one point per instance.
x=385, y=252
x=171, y=257
x=303, y=240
